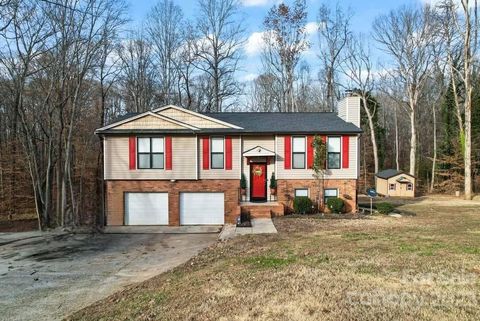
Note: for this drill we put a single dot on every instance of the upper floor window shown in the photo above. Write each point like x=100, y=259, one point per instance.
x=217, y=154
x=333, y=149
x=298, y=152
x=150, y=152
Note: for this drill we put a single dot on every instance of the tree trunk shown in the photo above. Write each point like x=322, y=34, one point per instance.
x=434, y=162
x=413, y=139
x=372, y=133
x=397, y=162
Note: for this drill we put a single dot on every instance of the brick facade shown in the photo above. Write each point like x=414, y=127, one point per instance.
x=115, y=190
x=347, y=190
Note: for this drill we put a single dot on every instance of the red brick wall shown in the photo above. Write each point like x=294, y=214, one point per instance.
x=115, y=196
x=347, y=190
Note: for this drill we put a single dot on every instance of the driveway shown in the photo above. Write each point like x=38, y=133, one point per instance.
x=49, y=276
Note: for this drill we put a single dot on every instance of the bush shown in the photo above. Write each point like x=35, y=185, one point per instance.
x=243, y=182
x=273, y=181
x=302, y=205
x=385, y=208
x=335, y=204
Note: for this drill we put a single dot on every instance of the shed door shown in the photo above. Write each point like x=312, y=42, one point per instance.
x=202, y=208
x=146, y=208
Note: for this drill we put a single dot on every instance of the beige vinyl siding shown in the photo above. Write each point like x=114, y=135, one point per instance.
x=117, y=160
x=190, y=119
x=150, y=122
x=343, y=173
x=382, y=186
x=349, y=110
x=234, y=173
x=250, y=142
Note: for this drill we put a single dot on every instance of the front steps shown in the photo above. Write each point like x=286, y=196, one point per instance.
x=262, y=210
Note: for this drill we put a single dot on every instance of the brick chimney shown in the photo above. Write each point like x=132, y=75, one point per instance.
x=348, y=108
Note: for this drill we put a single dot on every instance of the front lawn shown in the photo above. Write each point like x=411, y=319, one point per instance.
x=423, y=267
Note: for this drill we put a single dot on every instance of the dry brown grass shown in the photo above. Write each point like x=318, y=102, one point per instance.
x=414, y=268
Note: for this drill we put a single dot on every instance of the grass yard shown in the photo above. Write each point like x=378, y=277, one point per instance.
x=423, y=267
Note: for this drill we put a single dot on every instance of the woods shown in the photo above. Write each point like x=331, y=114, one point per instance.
x=68, y=67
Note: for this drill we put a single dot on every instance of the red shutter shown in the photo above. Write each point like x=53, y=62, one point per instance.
x=309, y=151
x=132, y=152
x=206, y=152
x=168, y=152
x=228, y=153
x=288, y=152
x=345, y=151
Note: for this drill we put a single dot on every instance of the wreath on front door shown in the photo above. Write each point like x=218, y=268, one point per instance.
x=257, y=171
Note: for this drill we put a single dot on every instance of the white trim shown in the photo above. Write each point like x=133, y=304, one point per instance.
x=148, y=113
x=157, y=110
x=196, y=157
x=252, y=152
x=210, y=152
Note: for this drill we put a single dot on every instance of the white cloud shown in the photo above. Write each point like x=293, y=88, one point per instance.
x=249, y=77
x=254, y=44
x=256, y=3
x=311, y=27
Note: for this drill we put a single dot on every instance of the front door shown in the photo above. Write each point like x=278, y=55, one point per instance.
x=258, y=181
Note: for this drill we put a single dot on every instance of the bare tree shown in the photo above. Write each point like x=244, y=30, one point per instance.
x=358, y=68
x=164, y=27
x=137, y=74
x=461, y=35
x=333, y=32
x=218, y=49
x=285, y=40
x=407, y=35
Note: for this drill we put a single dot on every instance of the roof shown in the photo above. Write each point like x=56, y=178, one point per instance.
x=388, y=173
x=275, y=122
x=247, y=123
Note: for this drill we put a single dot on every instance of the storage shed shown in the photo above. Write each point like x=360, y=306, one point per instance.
x=391, y=182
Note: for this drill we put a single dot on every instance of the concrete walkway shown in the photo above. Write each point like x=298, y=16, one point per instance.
x=259, y=226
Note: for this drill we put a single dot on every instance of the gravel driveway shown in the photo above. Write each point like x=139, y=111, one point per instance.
x=49, y=276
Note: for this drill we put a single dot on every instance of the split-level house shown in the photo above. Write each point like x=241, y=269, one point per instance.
x=173, y=166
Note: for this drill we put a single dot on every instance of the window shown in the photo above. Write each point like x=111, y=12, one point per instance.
x=391, y=187
x=150, y=152
x=298, y=154
x=217, y=154
x=301, y=192
x=330, y=193
x=409, y=187
x=333, y=148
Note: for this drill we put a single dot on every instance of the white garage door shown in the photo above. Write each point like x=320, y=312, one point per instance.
x=146, y=208
x=202, y=208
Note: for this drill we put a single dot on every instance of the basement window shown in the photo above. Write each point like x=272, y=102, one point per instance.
x=301, y=192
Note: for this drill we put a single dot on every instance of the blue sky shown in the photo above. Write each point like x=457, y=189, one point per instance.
x=254, y=11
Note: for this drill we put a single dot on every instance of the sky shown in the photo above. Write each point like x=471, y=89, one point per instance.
x=254, y=11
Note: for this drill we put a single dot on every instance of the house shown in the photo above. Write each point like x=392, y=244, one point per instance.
x=395, y=183
x=173, y=166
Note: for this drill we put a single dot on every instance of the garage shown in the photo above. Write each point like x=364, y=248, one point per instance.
x=202, y=208
x=146, y=208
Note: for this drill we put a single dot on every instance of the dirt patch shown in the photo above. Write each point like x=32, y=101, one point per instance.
x=421, y=267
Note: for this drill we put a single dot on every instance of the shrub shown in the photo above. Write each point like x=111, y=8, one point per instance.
x=243, y=182
x=335, y=204
x=273, y=181
x=302, y=204
x=385, y=208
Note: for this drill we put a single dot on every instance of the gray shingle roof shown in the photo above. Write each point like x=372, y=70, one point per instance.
x=307, y=122
x=387, y=173
x=264, y=122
